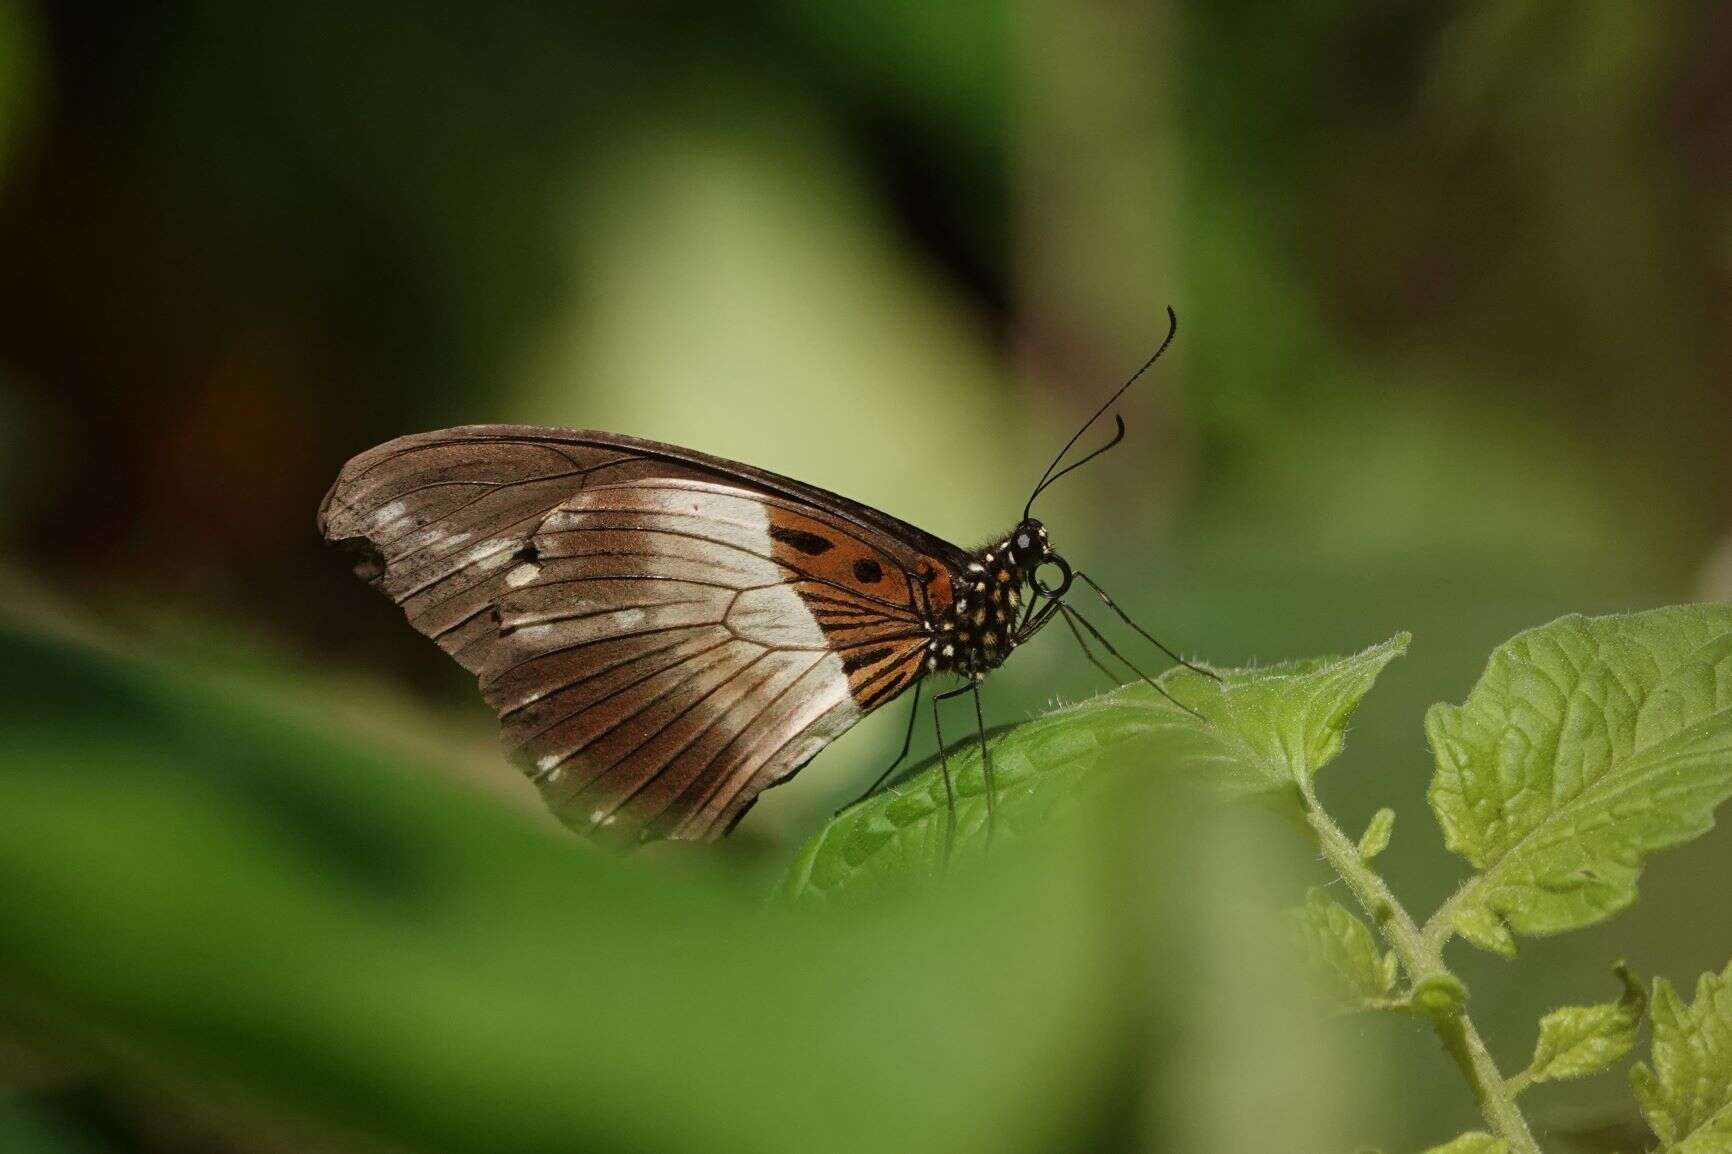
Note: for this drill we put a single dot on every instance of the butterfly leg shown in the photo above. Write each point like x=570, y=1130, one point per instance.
x=973, y=687
x=1126, y=618
x=1089, y=653
x=1071, y=612
x=944, y=768
x=985, y=764
x=907, y=741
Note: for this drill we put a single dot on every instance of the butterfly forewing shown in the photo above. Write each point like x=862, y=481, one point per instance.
x=664, y=634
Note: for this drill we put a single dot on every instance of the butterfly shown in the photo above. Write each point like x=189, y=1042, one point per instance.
x=666, y=634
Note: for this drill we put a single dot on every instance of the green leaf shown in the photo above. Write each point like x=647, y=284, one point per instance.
x=1473, y=1142
x=1343, y=946
x=1579, y=1040
x=1587, y=744
x=1484, y=929
x=1375, y=839
x=1276, y=727
x=1686, y=1095
x=1262, y=732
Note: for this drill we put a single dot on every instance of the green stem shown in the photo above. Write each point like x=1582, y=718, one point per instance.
x=1440, y=927
x=1422, y=957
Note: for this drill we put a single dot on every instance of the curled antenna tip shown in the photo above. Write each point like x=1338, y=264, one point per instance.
x=1049, y=476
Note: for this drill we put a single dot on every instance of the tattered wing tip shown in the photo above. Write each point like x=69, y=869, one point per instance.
x=337, y=525
x=364, y=556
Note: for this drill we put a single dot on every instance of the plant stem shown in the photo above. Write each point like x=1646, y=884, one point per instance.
x=1423, y=961
x=1440, y=927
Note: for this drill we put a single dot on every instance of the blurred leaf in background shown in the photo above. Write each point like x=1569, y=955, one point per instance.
x=207, y=890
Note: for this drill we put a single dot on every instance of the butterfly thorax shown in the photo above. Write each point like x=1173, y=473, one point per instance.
x=980, y=628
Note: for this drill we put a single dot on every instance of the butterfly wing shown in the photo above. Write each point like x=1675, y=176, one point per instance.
x=664, y=634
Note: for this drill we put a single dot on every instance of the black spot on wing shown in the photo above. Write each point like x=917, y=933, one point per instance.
x=868, y=571
x=808, y=543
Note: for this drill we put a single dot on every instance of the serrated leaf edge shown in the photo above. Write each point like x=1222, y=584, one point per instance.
x=1668, y=1014
x=1470, y=912
x=1622, y=1016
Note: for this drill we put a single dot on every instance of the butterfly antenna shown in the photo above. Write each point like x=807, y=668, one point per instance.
x=1118, y=435
x=1048, y=477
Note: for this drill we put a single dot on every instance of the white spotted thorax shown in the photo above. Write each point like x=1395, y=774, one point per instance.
x=979, y=630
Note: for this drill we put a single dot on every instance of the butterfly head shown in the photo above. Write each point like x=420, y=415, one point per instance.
x=1031, y=552
x=1027, y=544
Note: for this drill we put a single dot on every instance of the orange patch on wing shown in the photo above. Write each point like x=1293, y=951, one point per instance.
x=940, y=595
x=825, y=551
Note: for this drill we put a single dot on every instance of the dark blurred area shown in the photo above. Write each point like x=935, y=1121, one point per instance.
x=1453, y=279
x=1454, y=284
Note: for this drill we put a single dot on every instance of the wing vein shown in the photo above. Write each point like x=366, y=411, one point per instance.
x=768, y=706
x=564, y=686
x=619, y=721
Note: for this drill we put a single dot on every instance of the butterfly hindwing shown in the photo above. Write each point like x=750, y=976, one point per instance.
x=664, y=635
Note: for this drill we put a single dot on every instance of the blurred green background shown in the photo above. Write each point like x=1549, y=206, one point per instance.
x=1454, y=284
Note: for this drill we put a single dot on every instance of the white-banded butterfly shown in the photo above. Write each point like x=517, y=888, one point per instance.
x=666, y=634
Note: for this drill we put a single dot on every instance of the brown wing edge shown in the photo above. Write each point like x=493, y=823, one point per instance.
x=862, y=514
